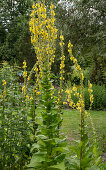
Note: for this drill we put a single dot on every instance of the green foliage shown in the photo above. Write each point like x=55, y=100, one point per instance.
x=36, y=143
x=87, y=37
x=97, y=72
x=99, y=93
x=15, y=32
x=14, y=126
x=49, y=148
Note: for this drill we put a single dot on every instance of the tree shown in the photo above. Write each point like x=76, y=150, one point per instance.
x=83, y=22
x=15, y=20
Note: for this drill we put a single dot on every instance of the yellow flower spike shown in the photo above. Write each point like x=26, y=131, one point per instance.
x=24, y=64
x=43, y=29
x=24, y=74
x=90, y=92
x=4, y=82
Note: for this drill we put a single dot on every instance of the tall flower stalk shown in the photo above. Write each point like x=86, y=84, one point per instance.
x=80, y=104
x=87, y=152
x=43, y=36
x=60, y=92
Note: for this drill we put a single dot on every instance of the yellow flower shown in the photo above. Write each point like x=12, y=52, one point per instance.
x=70, y=45
x=23, y=89
x=24, y=64
x=74, y=88
x=60, y=44
x=74, y=60
x=33, y=6
x=52, y=6
x=4, y=82
x=64, y=102
x=77, y=94
x=90, y=85
x=74, y=105
x=78, y=104
x=91, y=98
x=90, y=92
x=67, y=91
x=61, y=37
x=70, y=104
x=28, y=78
x=24, y=74
x=27, y=97
x=31, y=98
x=82, y=77
x=38, y=93
x=78, y=67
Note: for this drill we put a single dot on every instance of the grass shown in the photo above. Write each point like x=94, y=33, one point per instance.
x=71, y=129
x=71, y=121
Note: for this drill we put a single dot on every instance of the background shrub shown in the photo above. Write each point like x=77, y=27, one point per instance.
x=99, y=93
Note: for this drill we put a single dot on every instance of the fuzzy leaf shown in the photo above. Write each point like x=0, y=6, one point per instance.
x=35, y=145
x=60, y=166
x=36, y=159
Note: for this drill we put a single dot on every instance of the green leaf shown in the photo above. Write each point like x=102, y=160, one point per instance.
x=93, y=168
x=35, y=145
x=36, y=159
x=98, y=160
x=60, y=166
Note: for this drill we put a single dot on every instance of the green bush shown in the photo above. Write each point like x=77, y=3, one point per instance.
x=99, y=93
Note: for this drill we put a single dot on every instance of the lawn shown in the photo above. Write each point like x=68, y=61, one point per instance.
x=70, y=127
x=71, y=121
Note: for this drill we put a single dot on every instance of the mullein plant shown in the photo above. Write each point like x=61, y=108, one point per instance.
x=86, y=152
x=28, y=101
x=96, y=156
x=62, y=66
x=47, y=153
x=2, y=125
x=34, y=96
